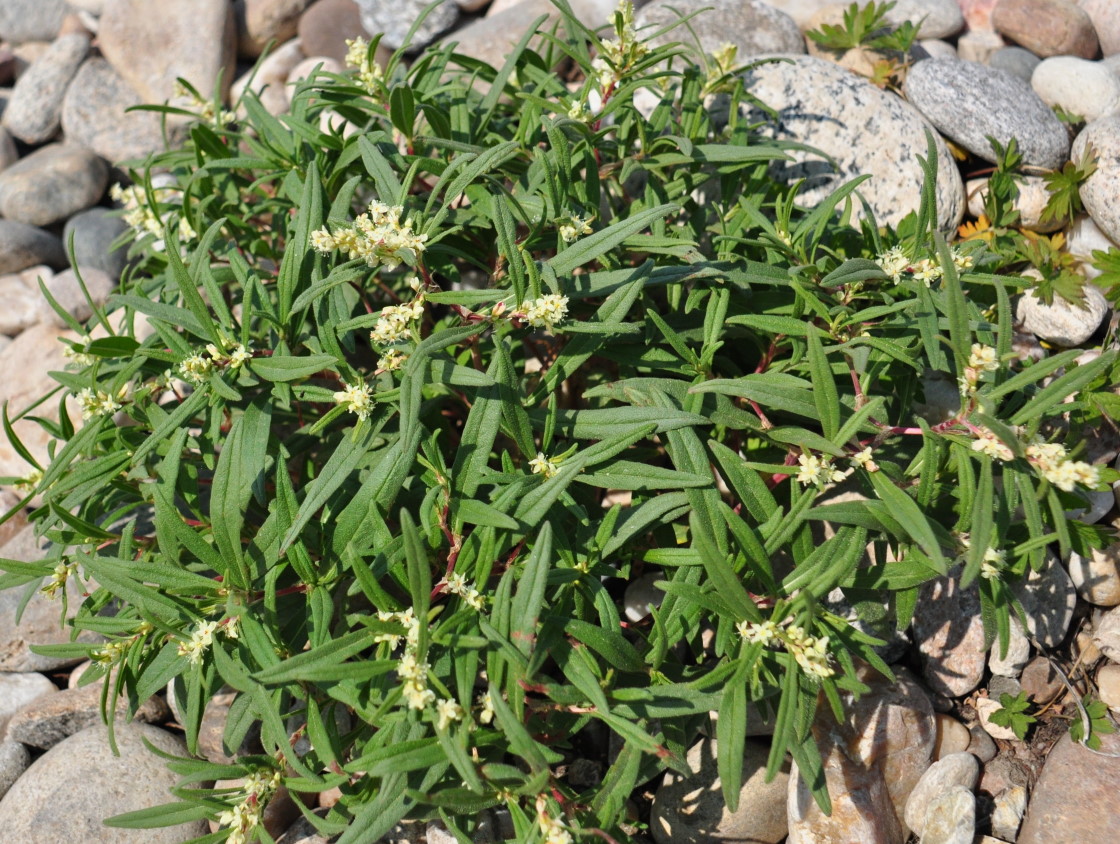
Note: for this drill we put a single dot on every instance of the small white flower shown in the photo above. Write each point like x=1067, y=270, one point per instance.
x=573, y=228
x=987, y=443
x=764, y=633
x=447, y=713
x=864, y=460
x=358, y=399
x=196, y=368
x=487, y=704
x=201, y=639
x=894, y=263
x=983, y=358
x=817, y=471
x=541, y=465
x=546, y=311
x=928, y=271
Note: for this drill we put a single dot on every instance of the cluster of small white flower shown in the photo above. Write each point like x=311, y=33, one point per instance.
x=81, y=359
x=395, y=323
x=988, y=443
x=542, y=465
x=894, y=262
x=817, y=471
x=58, y=579
x=143, y=218
x=358, y=58
x=864, y=459
x=547, y=311
x=810, y=652
x=202, y=637
x=610, y=65
x=358, y=399
x=992, y=563
x=378, y=237
x=246, y=815
x=197, y=367
x=1053, y=461
x=981, y=359
x=554, y=832
x=457, y=584
x=413, y=671
x=574, y=227
x=29, y=482
x=99, y=403
x=206, y=110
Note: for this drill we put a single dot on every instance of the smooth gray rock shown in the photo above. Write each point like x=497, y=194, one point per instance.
x=754, y=27
x=394, y=18
x=19, y=689
x=51, y=184
x=23, y=246
x=691, y=809
x=1007, y=812
x=94, y=231
x=956, y=769
x=1086, y=88
x=69, y=790
x=968, y=102
x=14, y=760
x=325, y=27
x=864, y=130
x=938, y=18
x=45, y=722
x=1060, y=322
x=950, y=637
x=1015, y=60
x=1048, y=597
x=1100, y=190
x=93, y=115
x=30, y=20
x=34, y=111
x=9, y=155
x=951, y=818
x=68, y=293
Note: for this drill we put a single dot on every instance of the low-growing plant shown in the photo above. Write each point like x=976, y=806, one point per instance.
x=1014, y=714
x=412, y=382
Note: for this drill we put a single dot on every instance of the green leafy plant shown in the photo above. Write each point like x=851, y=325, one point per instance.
x=1065, y=185
x=411, y=384
x=1089, y=725
x=866, y=28
x=1014, y=714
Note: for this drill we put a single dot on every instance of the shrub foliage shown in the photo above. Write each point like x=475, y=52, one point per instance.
x=411, y=384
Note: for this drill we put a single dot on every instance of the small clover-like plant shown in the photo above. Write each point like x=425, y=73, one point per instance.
x=1014, y=714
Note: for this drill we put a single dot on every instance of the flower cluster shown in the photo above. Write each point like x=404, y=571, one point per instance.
x=246, y=815
x=358, y=399
x=574, y=227
x=395, y=323
x=554, y=832
x=542, y=465
x=378, y=237
x=487, y=705
x=1053, y=461
x=143, y=217
x=817, y=471
x=457, y=585
x=412, y=671
x=447, y=713
x=616, y=55
x=80, y=359
x=202, y=637
x=992, y=563
x=894, y=262
x=358, y=58
x=197, y=367
x=981, y=359
x=29, y=482
x=58, y=579
x=810, y=652
x=723, y=62
x=988, y=443
x=206, y=110
x=99, y=403
x=547, y=311
x=863, y=459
